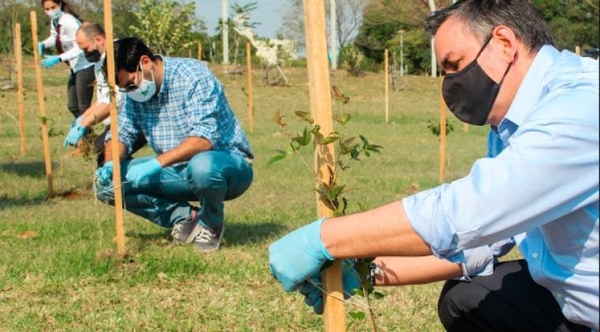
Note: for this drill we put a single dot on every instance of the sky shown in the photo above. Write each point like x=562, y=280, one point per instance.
x=267, y=14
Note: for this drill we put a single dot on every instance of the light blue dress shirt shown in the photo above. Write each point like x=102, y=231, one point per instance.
x=191, y=103
x=538, y=185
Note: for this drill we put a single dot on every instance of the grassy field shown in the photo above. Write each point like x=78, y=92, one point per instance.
x=58, y=268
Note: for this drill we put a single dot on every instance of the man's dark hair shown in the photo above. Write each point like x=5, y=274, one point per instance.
x=91, y=30
x=128, y=52
x=483, y=16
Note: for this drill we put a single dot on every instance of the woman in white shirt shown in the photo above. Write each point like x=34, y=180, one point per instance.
x=63, y=27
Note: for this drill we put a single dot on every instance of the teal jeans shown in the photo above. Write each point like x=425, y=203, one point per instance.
x=210, y=178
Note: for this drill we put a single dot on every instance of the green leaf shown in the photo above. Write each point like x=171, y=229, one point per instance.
x=303, y=140
x=331, y=138
x=377, y=295
x=281, y=154
x=337, y=190
x=358, y=315
x=345, y=118
x=305, y=116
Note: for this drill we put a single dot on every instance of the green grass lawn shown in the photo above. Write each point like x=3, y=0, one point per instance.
x=58, y=267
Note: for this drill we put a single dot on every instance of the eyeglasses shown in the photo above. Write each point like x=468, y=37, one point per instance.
x=131, y=86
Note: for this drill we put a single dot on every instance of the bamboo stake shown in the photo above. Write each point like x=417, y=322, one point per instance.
x=320, y=101
x=442, y=139
x=114, y=128
x=199, y=52
x=387, y=87
x=21, y=99
x=41, y=101
x=250, y=100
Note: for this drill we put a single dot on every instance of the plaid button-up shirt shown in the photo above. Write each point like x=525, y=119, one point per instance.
x=191, y=103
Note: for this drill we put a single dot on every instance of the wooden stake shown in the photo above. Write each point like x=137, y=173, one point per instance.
x=41, y=101
x=199, y=52
x=387, y=86
x=250, y=100
x=190, y=53
x=320, y=100
x=577, y=49
x=442, y=138
x=114, y=129
x=20, y=97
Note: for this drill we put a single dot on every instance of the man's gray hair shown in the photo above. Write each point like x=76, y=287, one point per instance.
x=482, y=16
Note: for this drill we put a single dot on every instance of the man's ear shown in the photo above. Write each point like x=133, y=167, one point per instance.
x=99, y=40
x=508, y=42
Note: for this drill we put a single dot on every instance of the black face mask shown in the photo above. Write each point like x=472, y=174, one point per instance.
x=470, y=93
x=93, y=56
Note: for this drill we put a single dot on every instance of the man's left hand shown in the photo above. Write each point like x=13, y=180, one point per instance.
x=136, y=173
x=50, y=61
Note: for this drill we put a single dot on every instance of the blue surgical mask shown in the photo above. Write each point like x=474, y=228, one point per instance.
x=54, y=14
x=145, y=90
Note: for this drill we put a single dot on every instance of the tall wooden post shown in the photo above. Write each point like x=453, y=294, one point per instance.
x=387, y=86
x=21, y=100
x=41, y=101
x=114, y=128
x=320, y=101
x=199, y=52
x=250, y=99
x=442, y=138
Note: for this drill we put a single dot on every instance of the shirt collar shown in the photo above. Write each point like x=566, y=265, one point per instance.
x=164, y=88
x=531, y=88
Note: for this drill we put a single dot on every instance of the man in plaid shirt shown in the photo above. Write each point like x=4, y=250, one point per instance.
x=202, y=153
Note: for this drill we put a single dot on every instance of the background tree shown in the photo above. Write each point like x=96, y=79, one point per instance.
x=383, y=19
x=572, y=22
x=349, y=17
x=168, y=27
x=292, y=18
x=243, y=12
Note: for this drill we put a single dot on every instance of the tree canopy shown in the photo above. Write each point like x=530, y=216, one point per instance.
x=571, y=22
x=168, y=27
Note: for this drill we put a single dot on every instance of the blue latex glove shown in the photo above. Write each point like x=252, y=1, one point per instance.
x=313, y=290
x=50, y=61
x=298, y=255
x=75, y=133
x=136, y=173
x=103, y=175
x=40, y=48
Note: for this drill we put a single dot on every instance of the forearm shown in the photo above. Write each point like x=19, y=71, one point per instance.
x=384, y=231
x=414, y=270
x=95, y=114
x=184, y=151
x=108, y=152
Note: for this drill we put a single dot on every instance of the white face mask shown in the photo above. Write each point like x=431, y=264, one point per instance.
x=53, y=14
x=145, y=90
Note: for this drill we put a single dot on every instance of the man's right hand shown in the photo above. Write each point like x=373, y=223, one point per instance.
x=298, y=256
x=313, y=289
x=75, y=133
x=103, y=175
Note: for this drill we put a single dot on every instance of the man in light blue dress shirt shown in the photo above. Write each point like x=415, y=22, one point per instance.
x=537, y=188
x=201, y=151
